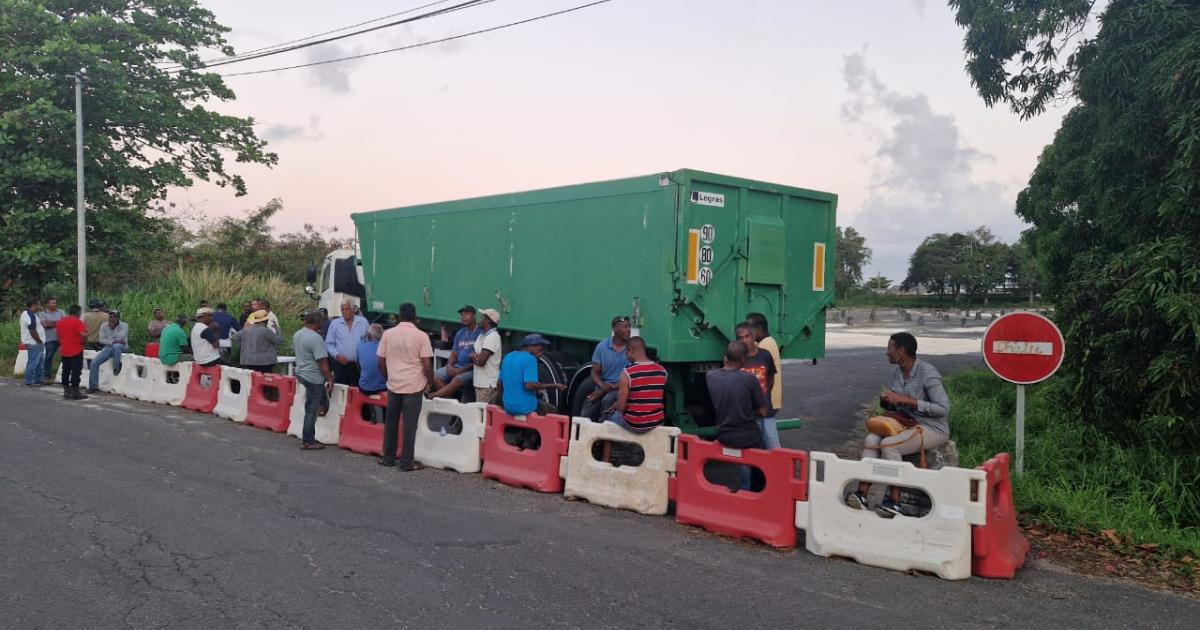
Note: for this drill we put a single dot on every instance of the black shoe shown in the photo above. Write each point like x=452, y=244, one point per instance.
x=857, y=500
x=415, y=466
x=67, y=394
x=93, y=390
x=889, y=508
x=390, y=463
x=78, y=395
x=116, y=371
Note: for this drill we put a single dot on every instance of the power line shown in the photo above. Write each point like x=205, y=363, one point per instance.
x=444, y=11
x=314, y=36
x=419, y=45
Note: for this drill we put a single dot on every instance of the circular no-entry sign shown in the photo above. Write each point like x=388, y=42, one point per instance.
x=1023, y=348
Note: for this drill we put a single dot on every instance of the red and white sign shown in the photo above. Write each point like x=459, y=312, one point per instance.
x=1023, y=348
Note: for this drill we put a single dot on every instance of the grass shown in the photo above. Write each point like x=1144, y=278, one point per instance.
x=1077, y=478
x=180, y=292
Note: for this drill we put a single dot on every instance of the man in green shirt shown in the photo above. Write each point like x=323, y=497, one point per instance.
x=173, y=341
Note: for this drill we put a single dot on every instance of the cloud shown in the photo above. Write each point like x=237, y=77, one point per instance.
x=922, y=172
x=283, y=132
x=920, y=6
x=332, y=77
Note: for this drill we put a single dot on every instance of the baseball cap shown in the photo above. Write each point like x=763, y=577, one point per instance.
x=201, y=312
x=491, y=314
x=534, y=339
x=468, y=307
x=619, y=318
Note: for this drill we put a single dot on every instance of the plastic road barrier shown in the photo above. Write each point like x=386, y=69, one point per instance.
x=357, y=434
x=536, y=469
x=447, y=449
x=233, y=395
x=170, y=383
x=939, y=542
x=768, y=516
x=152, y=350
x=139, y=376
x=998, y=548
x=328, y=427
x=270, y=403
x=115, y=383
x=22, y=359
x=88, y=355
x=641, y=488
x=202, y=388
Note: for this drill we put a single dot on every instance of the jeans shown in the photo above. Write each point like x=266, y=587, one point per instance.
x=107, y=352
x=408, y=406
x=592, y=408
x=72, y=368
x=770, y=433
x=48, y=360
x=33, y=364
x=314, y=398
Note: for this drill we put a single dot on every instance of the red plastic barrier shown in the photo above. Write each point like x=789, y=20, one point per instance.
x=203, y=388
x=769, y=515
x=533, y=469
x=357, y=434
x=152, y=350
x=998, y=547
x=269, y=414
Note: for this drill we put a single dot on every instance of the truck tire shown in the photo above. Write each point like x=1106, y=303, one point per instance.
x=581, y=386
x=550, y=370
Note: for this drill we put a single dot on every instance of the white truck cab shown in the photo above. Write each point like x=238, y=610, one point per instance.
x=339, y=278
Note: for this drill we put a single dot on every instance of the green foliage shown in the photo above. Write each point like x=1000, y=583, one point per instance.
x=1115, y=204
x=971, y=264
x=1076, y=476
x=852, y=255
x=878, y=283
x=146, y=128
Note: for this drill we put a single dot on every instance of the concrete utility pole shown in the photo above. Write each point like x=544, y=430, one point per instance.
x=80, y=222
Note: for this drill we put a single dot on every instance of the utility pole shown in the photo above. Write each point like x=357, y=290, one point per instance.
x=80, y=221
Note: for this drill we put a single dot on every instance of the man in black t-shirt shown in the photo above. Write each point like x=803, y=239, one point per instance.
x=738, y=400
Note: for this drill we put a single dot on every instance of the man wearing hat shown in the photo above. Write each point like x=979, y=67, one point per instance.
x=485, y=357
x=95, y=317
x=458, y=371
x=259, y=343
x=519, y=385
x=608, y=361
x=205, y=338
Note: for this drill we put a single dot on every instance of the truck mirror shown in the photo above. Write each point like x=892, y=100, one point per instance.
x=310, y=275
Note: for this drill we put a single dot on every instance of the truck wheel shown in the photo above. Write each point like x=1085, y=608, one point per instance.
x=581, y=386
x=551, y=371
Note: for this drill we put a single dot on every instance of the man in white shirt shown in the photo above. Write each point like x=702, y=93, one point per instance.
x=33, y=335
x=205, y=339
x=487, y=357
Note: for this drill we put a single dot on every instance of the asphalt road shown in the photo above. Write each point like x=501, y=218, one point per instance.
x=123, y=514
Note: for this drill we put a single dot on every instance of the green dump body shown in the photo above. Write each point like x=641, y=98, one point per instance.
x=687, y=254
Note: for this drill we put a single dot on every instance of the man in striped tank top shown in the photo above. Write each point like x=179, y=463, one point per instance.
x=639, y=406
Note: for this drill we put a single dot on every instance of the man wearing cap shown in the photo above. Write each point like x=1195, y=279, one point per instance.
x=608, y=361
x=114, y=340
x=405, y=358
x=174, y=341
x=259, y=343
x=204, y=339
x=341, y=342
x=485, y=357
x=93, y=319
x=459, y=370
x=519, y=384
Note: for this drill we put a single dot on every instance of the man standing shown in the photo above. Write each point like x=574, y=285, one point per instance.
x=608, y=360
x=204, y=339
x=227, y=324
x=95, y=319
x=738, y=400
x=260, y=344
x=50, y=317
x=34, y=338
x=247, y=309
x=459, y=372
x=156, y=326
x=762, y=366
x=639, y=406
x=762, y=334
x=519, y=383
x=71, y=335
x=173, y=341
x=114, y=341
x=405, y=358
x=486, y=357
x=341, y=342
x=312, y=373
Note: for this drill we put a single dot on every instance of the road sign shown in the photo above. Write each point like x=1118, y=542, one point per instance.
x=1023, y=348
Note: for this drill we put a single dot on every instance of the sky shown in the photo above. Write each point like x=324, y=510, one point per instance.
x=865, y=99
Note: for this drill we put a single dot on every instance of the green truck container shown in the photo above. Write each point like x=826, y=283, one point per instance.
x=686, y=254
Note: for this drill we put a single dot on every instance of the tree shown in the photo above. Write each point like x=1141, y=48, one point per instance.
x=147, y=128
x=853, y=254
x=953, y=264
x=878, y=283
x=1115, y=199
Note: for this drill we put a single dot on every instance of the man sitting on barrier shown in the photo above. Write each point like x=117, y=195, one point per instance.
x=486, y=357
x=607, y=362
x=762, y=366
x=918, y=414
x=639, y=406
x=157, y=325
x=95, y=318
x=459, y=371
x=173, y=343
x=738, y=402
x=205, y=339
x=370, y=379
x=114, y=340
x=519, y=387
x=259, y=343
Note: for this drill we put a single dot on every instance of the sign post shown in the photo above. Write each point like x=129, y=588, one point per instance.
x=1023, y=348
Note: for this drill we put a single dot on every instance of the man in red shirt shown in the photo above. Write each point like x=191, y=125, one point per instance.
x=72, y=333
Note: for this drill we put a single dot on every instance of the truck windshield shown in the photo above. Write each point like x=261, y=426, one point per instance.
x=323, y=279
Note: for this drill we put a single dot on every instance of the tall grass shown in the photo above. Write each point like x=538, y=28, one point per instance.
x=1077, y=478
x=181, y=292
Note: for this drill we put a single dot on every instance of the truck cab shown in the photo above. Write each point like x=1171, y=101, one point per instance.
x=339, y=278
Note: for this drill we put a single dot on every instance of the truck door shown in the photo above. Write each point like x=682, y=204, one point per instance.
x=766, y=257
x=711, y=254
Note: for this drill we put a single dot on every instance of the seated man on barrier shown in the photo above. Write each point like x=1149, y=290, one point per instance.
x=114, y=340
x=918, y=414
x=639, y=406
x=459, y=371
x=607, y=362
x=738, y=402
x=519, y=387
x=173, y=342
x=370, y=379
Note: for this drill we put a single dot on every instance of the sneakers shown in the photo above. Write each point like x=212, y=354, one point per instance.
x=93, y=390
x=889, y=508
x=857, y=500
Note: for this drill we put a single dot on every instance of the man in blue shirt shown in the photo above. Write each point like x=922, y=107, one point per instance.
x=608, y=361
x=227, y=324
x=370, y=379
x=519, y=379
x=459, y=371
x=341, y=342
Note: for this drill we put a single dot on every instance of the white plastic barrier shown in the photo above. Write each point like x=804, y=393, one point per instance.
x=109, y=382
x=22, y=359
x=641, y=488
x=139, y=376
x=329, y=426
x=170, y=383
x=939, y=542
x=448, y=450
x=88, y=355
x=234, y=394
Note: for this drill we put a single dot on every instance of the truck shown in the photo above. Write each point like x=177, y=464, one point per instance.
x=685, y=254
